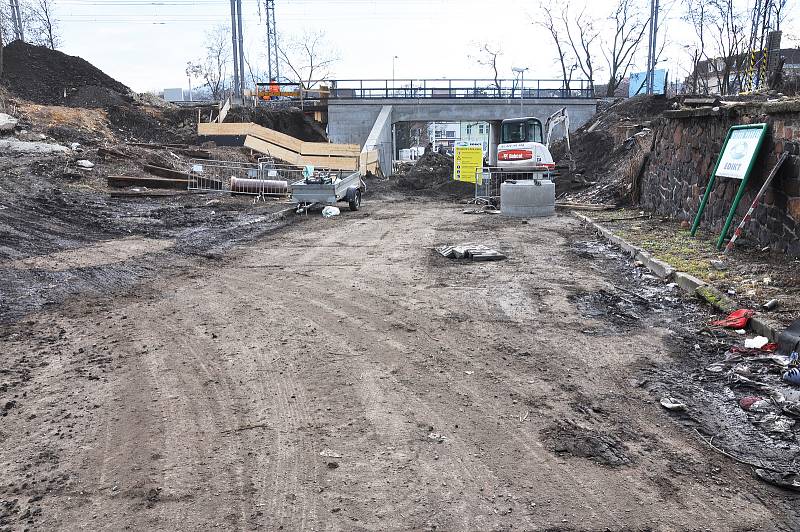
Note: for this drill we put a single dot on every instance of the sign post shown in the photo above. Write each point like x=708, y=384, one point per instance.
x=735, y=161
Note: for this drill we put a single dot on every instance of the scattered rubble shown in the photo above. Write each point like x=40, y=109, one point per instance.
x=474, y=252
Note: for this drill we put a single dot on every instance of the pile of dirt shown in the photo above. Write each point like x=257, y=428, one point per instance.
x=44, y=76
x=432, y=175
x=608, y=152
x=290, y=121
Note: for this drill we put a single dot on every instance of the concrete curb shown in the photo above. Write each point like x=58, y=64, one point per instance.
x=688, y=283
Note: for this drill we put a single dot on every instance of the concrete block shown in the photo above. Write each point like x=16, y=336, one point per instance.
x=686, y=282
x=660, y=268
x=716, y=298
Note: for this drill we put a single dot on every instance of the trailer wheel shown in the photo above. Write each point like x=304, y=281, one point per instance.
x=354, y=198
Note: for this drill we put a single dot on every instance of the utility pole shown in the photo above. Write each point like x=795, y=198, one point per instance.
x=236, y=87
x=651, y=50
x=273, y=70
x=242, y=83
x=16, y=18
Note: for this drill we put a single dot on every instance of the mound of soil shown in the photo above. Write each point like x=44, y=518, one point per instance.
x=137, y=124
x=608, y=152
x=96, y=97
x=432, y=175
x=289, y=121
x=41, y=75
x=431, y=169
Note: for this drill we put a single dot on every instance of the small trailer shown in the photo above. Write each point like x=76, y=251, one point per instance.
x=327, y=188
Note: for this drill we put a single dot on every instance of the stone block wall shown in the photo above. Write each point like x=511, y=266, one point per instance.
x=686, y=148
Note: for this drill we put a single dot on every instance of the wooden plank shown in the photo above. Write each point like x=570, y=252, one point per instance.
x=279, y=139
x=231, y=129
x=122, y=181
x=146, y=193
x=327, y=148
x=295, y=159
x=165, y=172
x=274, y=137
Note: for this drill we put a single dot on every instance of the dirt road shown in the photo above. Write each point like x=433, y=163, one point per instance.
x=340, y=375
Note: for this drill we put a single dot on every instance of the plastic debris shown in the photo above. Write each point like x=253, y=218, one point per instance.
x=738, y=319
x=754, y=403
x=756, y=343
x=328, y=453
x=83, y=163
x=330, y=212
x=792, y=376
x=7, y=122
x=672, y=404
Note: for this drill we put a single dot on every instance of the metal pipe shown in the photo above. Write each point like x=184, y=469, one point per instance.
x=265, y=186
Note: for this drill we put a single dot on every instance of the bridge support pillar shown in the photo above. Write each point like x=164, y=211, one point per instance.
x=494, y=140
x=381, y=139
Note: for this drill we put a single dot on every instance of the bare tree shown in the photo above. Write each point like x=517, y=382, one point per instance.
x=696, y=16
x=779, y=12
x=582, y=43
x=308, y=57
x=213, y=67
x=720, y=30
x=548, y=22
x=487, y=56
x=629, y=28
x=45, y=23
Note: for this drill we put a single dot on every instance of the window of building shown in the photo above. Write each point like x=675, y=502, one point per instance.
x=450, y=134
x=481, y=129
x=469, y=129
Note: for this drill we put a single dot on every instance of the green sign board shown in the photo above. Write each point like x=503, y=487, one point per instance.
x=735, y=161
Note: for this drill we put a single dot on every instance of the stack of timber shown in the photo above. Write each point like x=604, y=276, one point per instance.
x=292, y=150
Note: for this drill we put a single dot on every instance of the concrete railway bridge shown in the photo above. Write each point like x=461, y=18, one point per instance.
x=365, y=112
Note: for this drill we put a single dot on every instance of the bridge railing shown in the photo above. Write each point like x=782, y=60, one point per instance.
x=458, y=88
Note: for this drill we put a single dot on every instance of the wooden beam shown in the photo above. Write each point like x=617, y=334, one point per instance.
x=165, y=172
x=122, y=181
x=279, y=139
x=295, y=159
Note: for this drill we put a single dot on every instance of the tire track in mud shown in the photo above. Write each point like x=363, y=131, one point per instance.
x=282, y=473
x=333, y=299
x=347, y=309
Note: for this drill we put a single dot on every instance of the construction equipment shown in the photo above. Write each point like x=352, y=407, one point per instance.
x=560, y=117
x=327, y=188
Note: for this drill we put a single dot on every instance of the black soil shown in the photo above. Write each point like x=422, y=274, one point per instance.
x=41, y=75
x=289, y=121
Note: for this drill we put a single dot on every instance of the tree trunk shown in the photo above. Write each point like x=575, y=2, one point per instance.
x=611, y=88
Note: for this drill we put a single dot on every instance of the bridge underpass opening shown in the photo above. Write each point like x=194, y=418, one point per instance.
x=368, y=118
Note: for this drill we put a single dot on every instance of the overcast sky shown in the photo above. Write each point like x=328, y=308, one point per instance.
x=146, y=43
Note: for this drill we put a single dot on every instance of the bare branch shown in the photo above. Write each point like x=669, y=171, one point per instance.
x=308, y=57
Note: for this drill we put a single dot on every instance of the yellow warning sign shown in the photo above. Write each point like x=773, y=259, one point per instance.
x=467, y=162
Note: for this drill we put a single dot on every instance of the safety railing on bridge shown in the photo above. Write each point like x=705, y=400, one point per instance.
x=458, y=88
x=489, y=179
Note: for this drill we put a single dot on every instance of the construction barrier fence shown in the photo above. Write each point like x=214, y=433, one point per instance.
x=488, y=180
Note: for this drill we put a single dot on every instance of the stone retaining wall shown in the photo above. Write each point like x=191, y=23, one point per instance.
x=686, y=148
